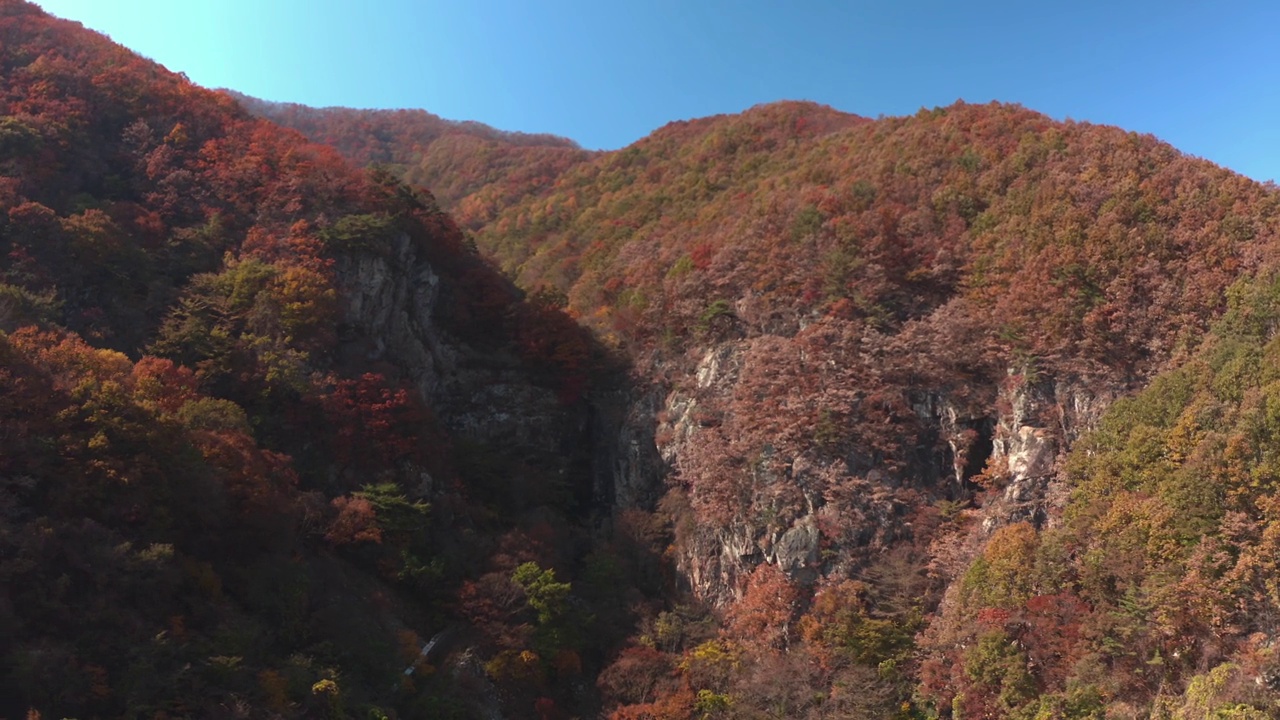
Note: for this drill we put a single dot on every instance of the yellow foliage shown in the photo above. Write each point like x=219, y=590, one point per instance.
x=712, y=653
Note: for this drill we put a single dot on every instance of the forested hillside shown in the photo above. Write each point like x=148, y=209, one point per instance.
x=867, y=350
x=252, y=448
x=784, y=414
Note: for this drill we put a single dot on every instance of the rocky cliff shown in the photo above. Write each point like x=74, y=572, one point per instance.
x=1006, y=441
x=392, y=314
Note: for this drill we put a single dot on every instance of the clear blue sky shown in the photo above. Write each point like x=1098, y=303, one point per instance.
x=1204, y=76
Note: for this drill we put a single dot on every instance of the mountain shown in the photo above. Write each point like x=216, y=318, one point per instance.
x=256, y=410
x=790, y=413
x=878, y=360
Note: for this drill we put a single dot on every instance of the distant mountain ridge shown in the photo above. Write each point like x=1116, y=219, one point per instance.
x=413, y=125
x=424, y=148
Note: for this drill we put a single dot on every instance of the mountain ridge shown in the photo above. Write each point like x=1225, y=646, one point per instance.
x=1061, y=264
x=428, y=121
x=792, y=413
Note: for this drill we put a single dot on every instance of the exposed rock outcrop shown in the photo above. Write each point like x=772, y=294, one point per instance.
x=1013, y=436
x=628, y=469
x=1042, y=417
x=393, y=301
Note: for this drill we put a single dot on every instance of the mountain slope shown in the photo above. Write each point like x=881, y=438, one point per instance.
x=866, y=347
x=1155, y=589
x=964, y=414
x=255, y=438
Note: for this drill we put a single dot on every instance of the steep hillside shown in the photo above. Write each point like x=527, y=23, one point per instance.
x=866, y=350
x=267, y=424
x=1154, y=593
x=790, y=413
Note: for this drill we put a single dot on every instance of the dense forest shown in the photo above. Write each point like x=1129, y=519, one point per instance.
x=880, y=356
x=785, y=414
x=224, y=490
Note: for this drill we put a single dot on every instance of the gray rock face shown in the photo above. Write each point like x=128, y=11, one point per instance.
x=779, y=517
x=389, y=303
x=628, y=471
x=392, y=300
x=1032, y=438
x=797, y=550
x=1030, y=452
x=1022, y=443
